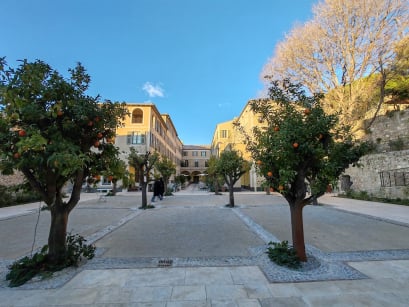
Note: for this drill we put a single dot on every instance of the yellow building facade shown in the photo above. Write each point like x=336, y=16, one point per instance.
x=147, y=130
x=227, y=137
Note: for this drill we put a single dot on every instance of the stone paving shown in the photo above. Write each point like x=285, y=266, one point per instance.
x=192, y=251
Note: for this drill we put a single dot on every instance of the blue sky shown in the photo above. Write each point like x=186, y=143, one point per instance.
x=197, y=60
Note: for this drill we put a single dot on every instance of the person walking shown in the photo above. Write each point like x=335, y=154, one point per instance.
x=156, y=190
x=161, y=188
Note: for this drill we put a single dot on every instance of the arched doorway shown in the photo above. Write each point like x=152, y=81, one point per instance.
x=195, y=176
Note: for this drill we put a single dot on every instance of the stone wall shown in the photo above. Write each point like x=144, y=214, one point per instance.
x=11, y=180
x=392, y=183
x=386, y=173
x=390, y=131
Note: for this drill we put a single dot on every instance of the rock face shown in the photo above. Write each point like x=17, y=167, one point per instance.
x=11, y=180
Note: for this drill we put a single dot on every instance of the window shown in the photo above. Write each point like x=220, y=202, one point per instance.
x=390, y=178
x=186, y=163
x=137, y=116
x=185, y=153
x=135, y=138
x=224, y=134
x=207, y=163
x=401, y=179
x=196, y=163
x=194, y=153
x=203, y=154
x=385, y=179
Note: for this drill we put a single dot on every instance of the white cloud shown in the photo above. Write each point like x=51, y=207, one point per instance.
x=224, y=105
x=153, y=90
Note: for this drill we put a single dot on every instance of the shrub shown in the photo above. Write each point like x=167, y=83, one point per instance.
x=283, y=254
x=362, y=195
x=19, y=194
x=6, y=197
x=26, y=268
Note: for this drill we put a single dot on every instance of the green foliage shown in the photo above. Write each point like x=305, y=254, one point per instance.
x=213, y=178
x=169, y=192
x=11, y=196
x=6, y=197
x=283, y=254
x=53, y=132
x=26, y=268
x=166, y=168
x=398, y=85
x=231, y=166
x=143, y=164
x=363, y=195
x=49, y=126
x=300, y=143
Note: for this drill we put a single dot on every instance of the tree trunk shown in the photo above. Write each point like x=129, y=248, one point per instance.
x=114, y=183
x=143, y=185
x=58, y=234
x=231, y=196
x=216, y=187
x=144, y=195
x=297, y=229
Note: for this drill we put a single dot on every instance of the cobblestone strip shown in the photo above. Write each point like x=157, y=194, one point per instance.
x=256, y=228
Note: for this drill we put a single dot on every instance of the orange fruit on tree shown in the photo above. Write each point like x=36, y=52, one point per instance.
x=90, y=123
x=270, y=174
x=320, y=136
x=110, y=178
x=276, y=128
x=60, y=113
x=22, y=133
x=16, y=155
x=259, y=162
x=295, y=145
x=307, y=111
x=280, y=187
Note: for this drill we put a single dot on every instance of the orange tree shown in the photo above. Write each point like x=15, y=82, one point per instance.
x=115, y=170
x=54, y=133
x=231, y=165
x=143, y=165
x=298, y=146
x=166, y=168
x=213, y=177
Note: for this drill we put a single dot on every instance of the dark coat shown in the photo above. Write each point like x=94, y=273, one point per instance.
x=156, y=188
x=161, y=187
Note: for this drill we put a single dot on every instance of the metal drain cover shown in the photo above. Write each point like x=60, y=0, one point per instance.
x=165, y=263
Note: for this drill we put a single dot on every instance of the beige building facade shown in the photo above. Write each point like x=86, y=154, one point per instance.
x=194, y=162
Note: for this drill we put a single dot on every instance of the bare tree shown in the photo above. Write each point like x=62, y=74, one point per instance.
x=345, y=43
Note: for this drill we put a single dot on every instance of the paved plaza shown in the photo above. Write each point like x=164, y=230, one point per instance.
x=190, y=250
